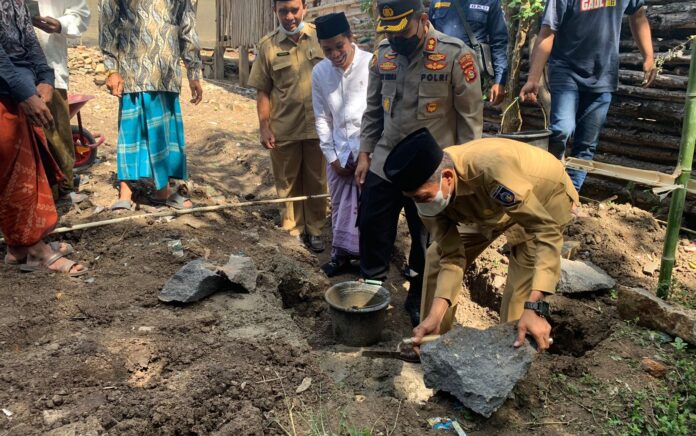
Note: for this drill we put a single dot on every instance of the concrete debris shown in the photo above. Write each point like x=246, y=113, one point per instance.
x=241, y=271
x=50, y=417
x=579, y=277
x=479, y=367
x=306, y=383
x=194, y=281
x=654, y=313
x=91, y=427
x=650, y=268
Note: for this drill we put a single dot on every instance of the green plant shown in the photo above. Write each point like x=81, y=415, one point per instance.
x=679, y=344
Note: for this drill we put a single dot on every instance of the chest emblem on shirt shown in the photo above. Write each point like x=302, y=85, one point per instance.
x=484, y=8
x=431, y=45
x=431, y=108
x=435, y=66
x=387, y=66
x=439, y=5
x=390, y=56
x=437, y=57
x=591, y=5
x=504, y=196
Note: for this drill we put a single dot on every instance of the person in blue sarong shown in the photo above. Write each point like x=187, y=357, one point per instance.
x=142, y=42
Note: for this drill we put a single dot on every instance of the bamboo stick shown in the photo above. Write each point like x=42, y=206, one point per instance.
x=175, y=212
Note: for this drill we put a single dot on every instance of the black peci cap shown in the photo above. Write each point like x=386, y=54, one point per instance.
x=413, y=161
x=331, y=25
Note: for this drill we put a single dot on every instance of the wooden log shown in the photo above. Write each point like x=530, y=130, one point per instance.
x=665, y=81
x=672, y=16
x=632, y=137
x=219, y=63
x=665, y=111
x=244, y=68
x=639, y=152
x=651, y=93
x=636, y=59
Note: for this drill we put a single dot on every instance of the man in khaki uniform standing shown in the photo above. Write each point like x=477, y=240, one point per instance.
x=282, y=76
x=469, y=195
x=419, y=77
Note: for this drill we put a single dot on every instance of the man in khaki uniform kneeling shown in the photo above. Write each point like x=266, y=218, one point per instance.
x=467, y=196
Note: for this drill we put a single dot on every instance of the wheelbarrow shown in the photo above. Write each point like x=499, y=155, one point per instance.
x=537, y=138
x=84, y=142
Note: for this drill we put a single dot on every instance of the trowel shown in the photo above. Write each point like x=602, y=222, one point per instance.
x=404, y=350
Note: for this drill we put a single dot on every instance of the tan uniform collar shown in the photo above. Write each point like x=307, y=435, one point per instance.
x=282, y=36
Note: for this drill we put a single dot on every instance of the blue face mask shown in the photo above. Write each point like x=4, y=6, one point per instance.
x=436, y=205
x=297, y=30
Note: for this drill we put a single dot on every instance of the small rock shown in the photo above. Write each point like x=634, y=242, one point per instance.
x=654, y=368
x=583, y=276
x=100, y=69
x=654, y=313
x=499, y=282
x=91, y=427
x=570, y=249
x=306, y=383
x=241, y=270
x=479, y=367
x=145, y=329
x=360, y=398
x=100, y=80
x=57, y=400
x=50, y=417
x=650, y=268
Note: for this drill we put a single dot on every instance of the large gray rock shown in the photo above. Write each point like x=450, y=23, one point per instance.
x=241, y=271
x=652, y=312
x=579, y=277
x=195, y=281
x=479, y=367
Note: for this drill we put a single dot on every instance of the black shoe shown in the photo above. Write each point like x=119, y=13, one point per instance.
x=333, y=268
x=315, y=243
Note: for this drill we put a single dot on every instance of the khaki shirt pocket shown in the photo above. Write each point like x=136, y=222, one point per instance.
x=283, y=69
x=315, y=55
x=432, y=100
x=388, y=95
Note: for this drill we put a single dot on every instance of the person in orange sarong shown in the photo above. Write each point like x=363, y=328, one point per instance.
x=27, y=169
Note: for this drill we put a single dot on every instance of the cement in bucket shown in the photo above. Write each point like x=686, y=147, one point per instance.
x=358, y=312
x=537, y=138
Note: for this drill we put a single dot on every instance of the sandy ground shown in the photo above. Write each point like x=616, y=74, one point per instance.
x=101, y=354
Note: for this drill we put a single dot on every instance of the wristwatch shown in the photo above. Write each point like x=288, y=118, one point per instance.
x=542, y=308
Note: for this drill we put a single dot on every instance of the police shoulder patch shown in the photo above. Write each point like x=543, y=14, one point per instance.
x=504, y=196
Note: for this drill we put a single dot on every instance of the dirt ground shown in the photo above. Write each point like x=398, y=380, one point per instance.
x=100, y=354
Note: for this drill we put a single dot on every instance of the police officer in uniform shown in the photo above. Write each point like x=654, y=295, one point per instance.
x=487, y=22
x=419, y=77
x=469, y=195
x=282, y=76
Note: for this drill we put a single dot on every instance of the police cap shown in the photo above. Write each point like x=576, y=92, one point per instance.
x=394, y=14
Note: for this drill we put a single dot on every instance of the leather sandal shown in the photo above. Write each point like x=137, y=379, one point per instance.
x=44, y=267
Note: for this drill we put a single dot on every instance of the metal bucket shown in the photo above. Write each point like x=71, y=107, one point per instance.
x=358, y=312
x=537, y=138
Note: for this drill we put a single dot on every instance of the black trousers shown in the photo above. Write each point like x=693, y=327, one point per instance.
x=380, y=205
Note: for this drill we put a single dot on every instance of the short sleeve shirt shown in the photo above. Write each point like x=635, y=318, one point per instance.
x=585, y=54
x=283, y=69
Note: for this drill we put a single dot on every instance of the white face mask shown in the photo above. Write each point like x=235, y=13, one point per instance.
x=437, y=205
x=297, y=30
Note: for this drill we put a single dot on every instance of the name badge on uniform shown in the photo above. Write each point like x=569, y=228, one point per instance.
x=484, y=8
x=283, y=53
